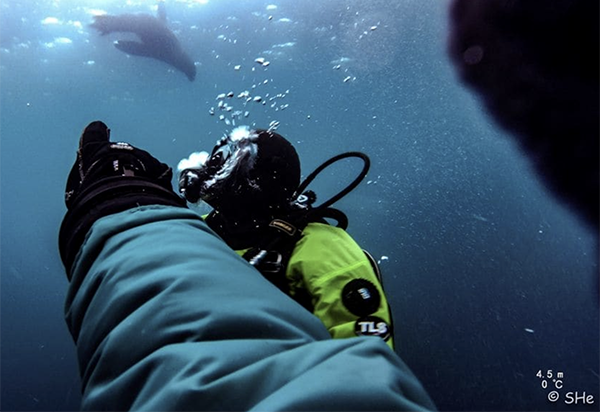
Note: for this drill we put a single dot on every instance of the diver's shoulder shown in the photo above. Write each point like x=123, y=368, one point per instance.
x=316, y=229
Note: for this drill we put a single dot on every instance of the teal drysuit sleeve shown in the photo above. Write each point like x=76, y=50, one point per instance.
x=166, y=317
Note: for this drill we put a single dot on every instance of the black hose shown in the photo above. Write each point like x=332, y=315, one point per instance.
x=347, y=189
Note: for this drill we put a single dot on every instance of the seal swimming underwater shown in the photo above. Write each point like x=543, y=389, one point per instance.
x=156, y=40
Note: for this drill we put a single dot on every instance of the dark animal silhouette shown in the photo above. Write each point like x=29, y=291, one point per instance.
x=535, y=64
x=156, y=40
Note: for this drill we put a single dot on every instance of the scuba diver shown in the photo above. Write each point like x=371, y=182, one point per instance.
x=261, y=210
x=165, y=316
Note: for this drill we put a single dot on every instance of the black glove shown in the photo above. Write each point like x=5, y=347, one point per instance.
x=109, y=178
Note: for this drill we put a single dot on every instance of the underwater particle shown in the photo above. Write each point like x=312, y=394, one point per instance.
x=273, y=124
x=347, y=79
x=337, y=67
x=237, y=67
x=257, y=98
x=246, y=114
x=373, y=28
x=50, y=20
x=96, y=12
x=63, y=40
x=266, y=63
x=260, y=60
x=341, y=60
x=381, y=259
x=528, y=330
x=221, y=96
x=230, y=94
x=270, y=18
x=221, y=104
x=284, y=45
x=222, y=117
x=211, y=111
x=243, y=94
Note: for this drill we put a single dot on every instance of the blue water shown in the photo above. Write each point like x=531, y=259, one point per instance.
x=490, y=278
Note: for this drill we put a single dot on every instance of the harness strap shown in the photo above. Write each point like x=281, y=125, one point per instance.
x=272, y=259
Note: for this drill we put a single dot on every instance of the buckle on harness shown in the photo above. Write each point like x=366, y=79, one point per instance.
x=267, y=261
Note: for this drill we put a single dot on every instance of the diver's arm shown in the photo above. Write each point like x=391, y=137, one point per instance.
x=346, y=293
x=167, y=317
